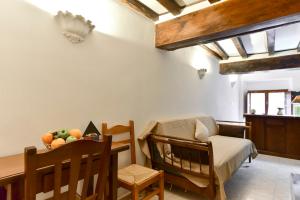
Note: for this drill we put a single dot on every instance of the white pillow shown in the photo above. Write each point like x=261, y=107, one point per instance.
x=201, y=132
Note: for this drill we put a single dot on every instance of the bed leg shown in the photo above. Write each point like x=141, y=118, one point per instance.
x=250, y=159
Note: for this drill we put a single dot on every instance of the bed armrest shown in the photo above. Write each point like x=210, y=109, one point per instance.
x=235, y=129
x=182, y=156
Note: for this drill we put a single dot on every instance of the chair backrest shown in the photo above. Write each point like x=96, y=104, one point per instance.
x=82, y=157
x=123, y=129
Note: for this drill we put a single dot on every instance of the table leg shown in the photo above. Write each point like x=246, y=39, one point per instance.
x=113, y=177
x=3, y=192
x=17, y=190
x=90, y=190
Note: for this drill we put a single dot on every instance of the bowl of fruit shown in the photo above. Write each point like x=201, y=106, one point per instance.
x=52, y=140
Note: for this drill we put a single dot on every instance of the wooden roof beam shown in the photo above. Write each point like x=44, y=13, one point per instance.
x=211, y=52
x=141, y=8
x=263, y=64
x=172, y=6
x=213, y=1
x=238, y=43
x=225, y=20
x=271, y=41
x=220, y=50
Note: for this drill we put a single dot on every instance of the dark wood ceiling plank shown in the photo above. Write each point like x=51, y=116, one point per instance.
x=271, y=41
x=211, y=52
x=238, y=43
x=224, y=20
x=172, y=6
x=264, y=64
x=213, y=1
x=142, y=8
x=220, y=50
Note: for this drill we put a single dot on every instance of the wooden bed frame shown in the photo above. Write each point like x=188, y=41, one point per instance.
x=191, y=151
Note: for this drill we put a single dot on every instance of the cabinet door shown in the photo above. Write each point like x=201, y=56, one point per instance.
x=275, y=140
x=258, y=132
x=293, y=137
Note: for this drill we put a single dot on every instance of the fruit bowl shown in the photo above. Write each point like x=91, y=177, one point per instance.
x=53, y=140
x=48, y=146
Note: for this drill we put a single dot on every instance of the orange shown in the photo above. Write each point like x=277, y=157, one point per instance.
x=47, y=138
x=57, y=143
x=76, y=133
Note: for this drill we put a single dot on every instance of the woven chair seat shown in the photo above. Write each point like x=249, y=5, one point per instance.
x=136, y=174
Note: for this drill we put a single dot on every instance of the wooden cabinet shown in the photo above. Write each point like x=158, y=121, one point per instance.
x=258, y=135
x=276, y=135
x=293, y=137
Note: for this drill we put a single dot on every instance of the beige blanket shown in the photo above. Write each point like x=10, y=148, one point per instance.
x=229, y=154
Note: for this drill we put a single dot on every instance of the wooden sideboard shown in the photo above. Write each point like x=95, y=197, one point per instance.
x=276, y=135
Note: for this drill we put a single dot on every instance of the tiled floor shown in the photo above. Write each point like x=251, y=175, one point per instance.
x=266, y=178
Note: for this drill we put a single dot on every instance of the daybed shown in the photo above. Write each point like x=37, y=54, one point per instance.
x=201, y=167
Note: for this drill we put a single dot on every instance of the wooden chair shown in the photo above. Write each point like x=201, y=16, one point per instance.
x=136, y=178
x=70, y=163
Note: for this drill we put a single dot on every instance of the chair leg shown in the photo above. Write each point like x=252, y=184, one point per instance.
x=135, y=194
x=250, y=159
x=161, y=186
x=106, y=192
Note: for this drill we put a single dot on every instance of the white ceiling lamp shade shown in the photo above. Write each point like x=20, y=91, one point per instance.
x=74, y=27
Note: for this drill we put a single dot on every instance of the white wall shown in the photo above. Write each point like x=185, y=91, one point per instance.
x=47, y=83
x=277, y=79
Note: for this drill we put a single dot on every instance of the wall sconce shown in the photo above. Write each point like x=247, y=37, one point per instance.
x=75, y=28
x=233, y=78
x=202, y=72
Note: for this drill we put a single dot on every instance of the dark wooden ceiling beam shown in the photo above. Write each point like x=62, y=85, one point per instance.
x=272, y=63
x=271, y=41
x=238, y=43
x=172, y=6
x=220, y=50
x=211, y=52
x=141, y=8
x=224, y=20
x=213, y=1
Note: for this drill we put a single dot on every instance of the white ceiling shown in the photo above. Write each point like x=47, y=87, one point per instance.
x=159, y=9
x=229, y=47
x=255, y=43
x=155, y=6
x=188, y=2
x=286, y=38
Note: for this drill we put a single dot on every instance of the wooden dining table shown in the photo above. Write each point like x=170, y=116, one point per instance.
x=12, y=172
